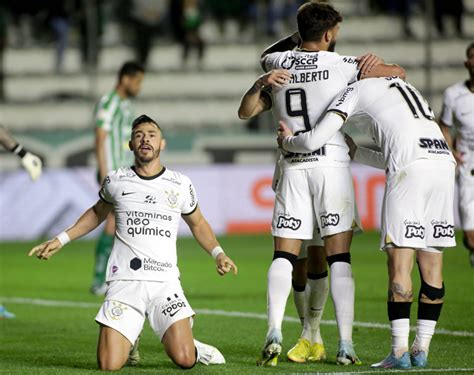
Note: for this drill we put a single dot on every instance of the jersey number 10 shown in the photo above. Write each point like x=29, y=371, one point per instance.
x=420, y=102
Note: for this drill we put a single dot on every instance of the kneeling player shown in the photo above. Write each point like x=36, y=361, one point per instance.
x=142, y=274
x=417, y=215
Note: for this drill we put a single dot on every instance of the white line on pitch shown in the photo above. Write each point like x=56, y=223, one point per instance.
x=237, y=314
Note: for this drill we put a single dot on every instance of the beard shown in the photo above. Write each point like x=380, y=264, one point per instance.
x=332, y=46
x=145, y=159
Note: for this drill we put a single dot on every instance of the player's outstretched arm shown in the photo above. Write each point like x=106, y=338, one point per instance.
x=206, y=238
x=86, y=223
x=255, y=99
x=371, y=67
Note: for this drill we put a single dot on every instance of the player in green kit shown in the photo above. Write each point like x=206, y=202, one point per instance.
x=113, y=119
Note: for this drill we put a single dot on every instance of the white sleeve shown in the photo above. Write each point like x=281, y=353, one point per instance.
x=271, y=61
x=190, y=201
x=369, y=157
x=316, y=137
x=350, y=67
x=277, y=171
x=447, y=111
x=106, y=192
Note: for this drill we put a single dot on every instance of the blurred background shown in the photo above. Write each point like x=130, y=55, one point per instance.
x=57, y=57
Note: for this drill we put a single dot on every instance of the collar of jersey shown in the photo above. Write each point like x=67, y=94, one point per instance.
x=306, y=50
x=149, y=177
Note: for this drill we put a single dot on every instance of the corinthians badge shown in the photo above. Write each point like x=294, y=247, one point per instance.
x=172, y=198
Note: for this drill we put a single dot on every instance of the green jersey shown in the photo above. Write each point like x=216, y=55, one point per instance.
x=115, y=116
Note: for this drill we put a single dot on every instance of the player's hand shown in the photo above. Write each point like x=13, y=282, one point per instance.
x=367, y=62
x=283, y=132
x=274, y=78
x=32, y=164
x=352, y=146
x=46, y=250
x=224, y=264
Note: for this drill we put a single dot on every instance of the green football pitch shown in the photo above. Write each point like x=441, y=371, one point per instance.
x=54, y=330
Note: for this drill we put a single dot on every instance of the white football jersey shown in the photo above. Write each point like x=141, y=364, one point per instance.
x=316, y=78
x=148, y=212
x=402, y=123
x=458, y=110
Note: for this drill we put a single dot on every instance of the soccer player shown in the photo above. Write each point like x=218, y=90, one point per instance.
x=29, y=161
x=417, y=213
x=315, y=189
x=113, y=118
x=458, y=111
x=142, y=272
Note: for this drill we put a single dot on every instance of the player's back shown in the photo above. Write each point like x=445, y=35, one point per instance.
x=316, y=79
x=402, y=122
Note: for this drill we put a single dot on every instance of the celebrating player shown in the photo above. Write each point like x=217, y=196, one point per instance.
x=458, y=105
x=142, y=274
x=315, y=188
x=417, y=215
x=113, y=117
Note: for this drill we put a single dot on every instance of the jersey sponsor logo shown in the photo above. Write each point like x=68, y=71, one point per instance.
x=329, y=220
x=305, y=157
x=288, y=222
x=440, y=230
x=147, y=215
x=114, y=269
x=150, y=264
x=150, y=199
x=128, y=175
x=172, y=198
x=434, y=146
x=300, y=62
x=172, y=180
x=128, y=193
x=349, y=60
x=343, y=97
x=135, y=264
x=192, y=195
x=140, y=226
x=305, y=77
x=173, y=306
x=415, y=231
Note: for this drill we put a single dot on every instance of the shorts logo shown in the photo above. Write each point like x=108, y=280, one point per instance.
x=172, y=306
x=443, y=231
x=288, y=222
x=329, y=220
x=135, y=264
x=116, y=311
x=415, y=231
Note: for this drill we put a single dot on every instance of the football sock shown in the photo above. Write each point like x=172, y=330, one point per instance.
x=102, y=253
x=342, y=293
x=298, y=297
x=279, y=287
x=399, y=316
x=424, y=332
x=317, y=290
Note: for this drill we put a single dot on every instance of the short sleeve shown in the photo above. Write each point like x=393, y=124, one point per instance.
x=349, y=67
x=447, y=109
x=190, y=201
x=271, y=61
x=106, y=191
x=105, y=112
x=346, y=103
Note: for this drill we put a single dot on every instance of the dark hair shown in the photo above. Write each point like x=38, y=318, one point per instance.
x=142, y=119
x=314, y=19
x=130, y=68
x=469, y=47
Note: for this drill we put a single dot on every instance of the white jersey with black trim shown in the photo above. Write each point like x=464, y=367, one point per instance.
x=316, y=78
x=147, y=212
x=402, y=123
x=458, y=111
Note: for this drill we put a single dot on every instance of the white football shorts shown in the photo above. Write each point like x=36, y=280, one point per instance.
x=128, y=302
x=322, y=197
x=466, y=193
x=417, y=209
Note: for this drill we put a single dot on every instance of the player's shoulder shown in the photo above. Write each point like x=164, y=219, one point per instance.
x=121, y=173
x=107, y=99
x=456, y=89
x=175, y=178
x=336, y=58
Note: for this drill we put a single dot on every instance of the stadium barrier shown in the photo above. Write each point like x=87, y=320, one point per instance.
x=234, y=198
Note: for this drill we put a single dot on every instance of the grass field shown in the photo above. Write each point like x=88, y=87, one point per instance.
x=54, y=330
